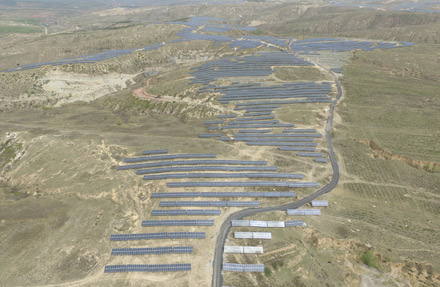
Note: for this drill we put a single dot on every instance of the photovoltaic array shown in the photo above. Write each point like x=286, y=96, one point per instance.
x=152, y=250
x=148, y=268
x=243, y=267
x=159, y=235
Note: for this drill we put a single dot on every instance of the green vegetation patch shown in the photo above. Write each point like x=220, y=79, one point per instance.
x=369, y=259
x=8, y=151
x=299, y=74
x=392, y=99
x=19, y=29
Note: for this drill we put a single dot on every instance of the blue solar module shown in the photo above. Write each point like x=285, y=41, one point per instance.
x=289, y=148
x=153, y=250
x=242, y=184
x=141, y=236
x=257, y=126
x=310, y=154
x=222, y=194
x=243, y=267
x=213, y=128
x=147, y=268
x=250, y=115
x=223, y=175
x=321, y=159
x=190, y=212
x=170, y=156
x=226, y=116
x=256, y=118
x=281, y=143
x=206, y=168
x=293, y=223
x=157, y=151
x=209, y=203
x=218, y=122
x=253, y=122
x=175, y=212
x=147, y=223
x=276, y=135
x=210, y=135
x=283, y=139
x=254, y=131
x=190, y=162
x=184, y=235
x=299, y=131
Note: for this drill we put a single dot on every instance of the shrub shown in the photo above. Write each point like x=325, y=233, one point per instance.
x=369, y=259
x=267, y=271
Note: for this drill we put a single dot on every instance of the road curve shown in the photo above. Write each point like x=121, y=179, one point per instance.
x=217, y=278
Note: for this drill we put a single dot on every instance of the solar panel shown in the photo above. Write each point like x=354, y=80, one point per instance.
x=147, y=268
x=243, y=267
x=147, y=223
x=141, y=236
x=209, y=203
x=190, y=162
x=242, y=184
x=303, y=212
x=319, y=203
x=152, y=250
x=293, y=223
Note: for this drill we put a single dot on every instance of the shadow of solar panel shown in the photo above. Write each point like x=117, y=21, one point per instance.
x=157, y=151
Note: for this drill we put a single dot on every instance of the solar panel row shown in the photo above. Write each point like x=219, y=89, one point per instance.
x=303, y=212
x=160, y=235
x=147, y=268
x=243, y=267
x=242, y=184
x=206, y=168
x=190, y=162
x=224, y=175
x=179, y=212
x=257, y=143
x=224, y=194
x=152, y=250
x=257, y=126
x=210, y=135
x=203, y=222
x=209, y=203
x=170, y=156
x=289, y=148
